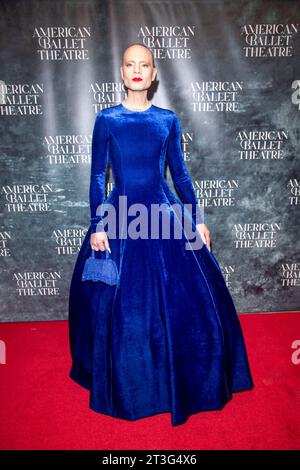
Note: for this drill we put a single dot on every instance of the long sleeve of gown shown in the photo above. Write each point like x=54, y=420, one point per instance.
x=179, y=172
x=99, y=161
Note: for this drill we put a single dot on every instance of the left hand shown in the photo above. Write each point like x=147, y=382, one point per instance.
x=205, y=234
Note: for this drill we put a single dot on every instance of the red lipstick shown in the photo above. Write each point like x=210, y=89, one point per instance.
x=137, y=79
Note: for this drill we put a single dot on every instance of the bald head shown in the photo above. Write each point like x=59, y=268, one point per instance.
x=139, y=48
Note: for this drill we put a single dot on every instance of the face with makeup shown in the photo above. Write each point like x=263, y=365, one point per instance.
x=137, y=69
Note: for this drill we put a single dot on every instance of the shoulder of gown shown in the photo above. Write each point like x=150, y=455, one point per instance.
x=115, y=109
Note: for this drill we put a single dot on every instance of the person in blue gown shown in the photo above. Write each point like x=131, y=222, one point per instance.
x=166, y=337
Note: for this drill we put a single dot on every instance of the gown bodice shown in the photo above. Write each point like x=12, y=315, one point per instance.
x=138, y=143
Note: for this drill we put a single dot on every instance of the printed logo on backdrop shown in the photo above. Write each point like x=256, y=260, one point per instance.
x=216, y=193
x=168, y=42
x=186, y=146
x=228, y=274
x=30, y=198
x=37, y=283
x=106, y=94
x=269, y=40
x=5, y=238
x=255, y=235
x=216, y=96
x=21, y=99
x=186, y=142
x=294, y=187
x=68, y=241
x=262, y=145
x=67, y=43
x=2, y=92
x=290, y=274
x=69, y=150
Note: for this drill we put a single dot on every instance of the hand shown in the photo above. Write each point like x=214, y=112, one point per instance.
x=205, y=234
x=99, y=241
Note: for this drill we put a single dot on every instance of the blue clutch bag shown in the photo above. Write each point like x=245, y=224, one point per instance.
x=99, y=269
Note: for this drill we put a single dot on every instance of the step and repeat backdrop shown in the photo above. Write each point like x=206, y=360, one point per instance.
x=229, y=69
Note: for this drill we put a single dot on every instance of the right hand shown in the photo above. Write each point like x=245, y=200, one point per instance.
x=99, y=241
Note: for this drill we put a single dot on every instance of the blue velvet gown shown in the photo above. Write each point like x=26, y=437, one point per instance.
x=167, y=337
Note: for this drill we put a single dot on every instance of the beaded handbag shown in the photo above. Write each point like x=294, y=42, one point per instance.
x=99, y=269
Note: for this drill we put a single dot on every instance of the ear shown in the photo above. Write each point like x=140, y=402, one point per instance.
x=121, y=72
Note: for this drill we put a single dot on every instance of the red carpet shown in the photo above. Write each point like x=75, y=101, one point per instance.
x=41, y=408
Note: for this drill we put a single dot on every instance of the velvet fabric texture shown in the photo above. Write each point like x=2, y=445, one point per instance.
x=167, y=337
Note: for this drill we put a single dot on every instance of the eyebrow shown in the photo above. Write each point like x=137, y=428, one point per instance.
x=130, y=60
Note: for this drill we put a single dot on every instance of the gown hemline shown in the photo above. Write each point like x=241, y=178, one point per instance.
x=78, y=380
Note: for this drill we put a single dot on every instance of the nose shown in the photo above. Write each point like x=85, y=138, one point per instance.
x=136, y=68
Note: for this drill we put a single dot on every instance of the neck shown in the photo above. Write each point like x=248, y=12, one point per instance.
x=136, y=100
